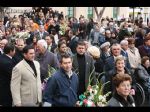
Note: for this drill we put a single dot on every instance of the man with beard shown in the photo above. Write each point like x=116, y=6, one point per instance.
x=19, y=48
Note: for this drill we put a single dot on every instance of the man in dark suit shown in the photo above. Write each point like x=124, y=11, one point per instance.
x=19, y=48
x=6, y=66
x=73, y=41
x=83, y=65
x=110, y=62
x=42, y=33
x=51, y=46
x=144, y=49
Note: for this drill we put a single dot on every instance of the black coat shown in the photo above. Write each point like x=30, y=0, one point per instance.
x=6, y=66
x=18, y=56
x=73, y=44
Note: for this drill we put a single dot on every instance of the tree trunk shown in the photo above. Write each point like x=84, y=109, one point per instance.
x=100, y=14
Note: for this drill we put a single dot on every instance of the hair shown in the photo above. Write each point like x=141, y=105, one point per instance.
x=65, y=55
x=61, y=43
x=119, y=78
x=81, y=42
x=8, y=47
x=43, y=43
x=51, y=37
x=123, y=42
x=120, y=58
x=144, y=59
x=27, y=48
x=115, y=44
x=131, y=40
x=147, y=37
x=21, y=39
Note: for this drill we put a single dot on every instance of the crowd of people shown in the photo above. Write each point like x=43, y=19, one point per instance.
x=34, y=43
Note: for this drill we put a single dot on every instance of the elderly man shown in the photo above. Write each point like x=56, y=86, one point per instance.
x=110, y=62
x=3, y=42
x=45, y=58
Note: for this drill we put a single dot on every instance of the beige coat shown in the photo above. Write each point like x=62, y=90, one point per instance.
x=134, y=59
x=25, y=87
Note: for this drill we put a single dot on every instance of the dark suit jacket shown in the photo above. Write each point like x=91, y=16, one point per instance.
x=110, y=64
x=18, y=56
x=143, y=51
x=45, y=33
x=6, y=66
x=89, y=68
x=48, y=58
x=73, y=44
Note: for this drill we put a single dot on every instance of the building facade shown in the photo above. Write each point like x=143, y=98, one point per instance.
x=87, y=12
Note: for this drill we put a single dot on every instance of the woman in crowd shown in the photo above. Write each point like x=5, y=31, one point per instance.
x=119, y=69
x=122, y=97
x=98, y=63
x=62, y=49
x=133, y=54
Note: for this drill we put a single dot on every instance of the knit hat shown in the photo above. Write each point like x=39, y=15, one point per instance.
x=94, y=51
x=105, y=44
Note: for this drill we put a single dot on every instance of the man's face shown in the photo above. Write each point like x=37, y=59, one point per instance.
x=80, y=49
x=66, y=64
x=20, y=45
x=116, y=50
x=3, y=43
x=108, y=34
x=42, y=29
x=40, y=48
x=124, y=46
x=48, y=40
x=147, y=43
x=30, y=55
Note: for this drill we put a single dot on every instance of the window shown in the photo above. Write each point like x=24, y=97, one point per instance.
x=90, y=12
x=70, y=11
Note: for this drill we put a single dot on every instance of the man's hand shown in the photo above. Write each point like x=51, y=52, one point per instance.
x=77, y=104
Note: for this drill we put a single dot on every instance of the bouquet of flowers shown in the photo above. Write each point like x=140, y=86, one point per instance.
x=51, y=70
x=93, y=96
x=23, y=35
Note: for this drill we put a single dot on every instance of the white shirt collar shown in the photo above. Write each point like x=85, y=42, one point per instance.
x=69, y=73
x=9, y=56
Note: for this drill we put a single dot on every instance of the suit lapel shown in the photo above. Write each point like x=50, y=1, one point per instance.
x=76, y=68
x=29, y=68
x=86, y=70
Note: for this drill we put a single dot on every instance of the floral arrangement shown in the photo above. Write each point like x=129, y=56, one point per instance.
x=93, y=96
x=23, y=35
x=51, y=70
